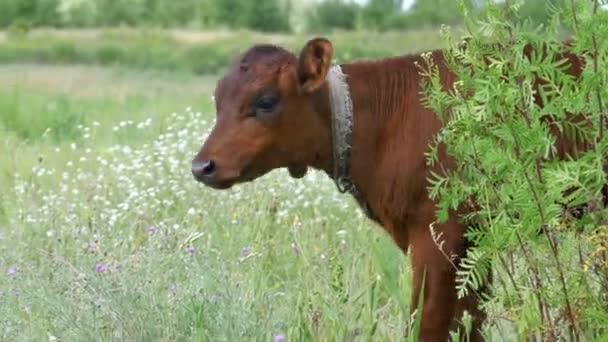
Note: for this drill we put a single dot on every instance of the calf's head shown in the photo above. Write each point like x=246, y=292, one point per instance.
x=271, y=113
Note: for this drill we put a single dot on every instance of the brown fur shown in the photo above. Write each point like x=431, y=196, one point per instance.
x=392, y=130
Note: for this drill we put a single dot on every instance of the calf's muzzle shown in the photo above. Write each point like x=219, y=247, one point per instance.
x=204, y=171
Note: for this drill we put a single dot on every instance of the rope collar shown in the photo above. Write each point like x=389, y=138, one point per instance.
x=342, y=135
x=342, y=128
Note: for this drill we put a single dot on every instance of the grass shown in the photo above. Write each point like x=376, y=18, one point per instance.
x=47, y=107
x=120, y=243
x=191, y=52
x=55, y=83
x=104, y=234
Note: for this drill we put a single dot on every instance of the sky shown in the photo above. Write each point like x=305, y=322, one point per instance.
x=406, y=3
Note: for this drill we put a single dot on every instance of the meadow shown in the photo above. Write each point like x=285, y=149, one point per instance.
x=104, y=235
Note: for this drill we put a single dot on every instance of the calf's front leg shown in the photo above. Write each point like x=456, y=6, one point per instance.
x=441, y=307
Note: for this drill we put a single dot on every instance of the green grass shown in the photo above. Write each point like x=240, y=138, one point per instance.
x=92, y=158
x=54, y=84
x=106, y=236
x=238, y=265
x=47, y=107
x=191, y=52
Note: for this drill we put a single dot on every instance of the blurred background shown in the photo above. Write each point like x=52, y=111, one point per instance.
x=67, y=62
x=263, y=15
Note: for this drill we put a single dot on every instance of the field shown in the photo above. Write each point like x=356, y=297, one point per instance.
x=104, y=235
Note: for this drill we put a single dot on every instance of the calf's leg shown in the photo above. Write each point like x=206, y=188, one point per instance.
x=441, y=307
x=438, y=303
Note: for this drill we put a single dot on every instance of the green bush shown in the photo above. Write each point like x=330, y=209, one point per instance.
x=66, y=52
x=525, y=236
x=111, y=54
x=18, y=29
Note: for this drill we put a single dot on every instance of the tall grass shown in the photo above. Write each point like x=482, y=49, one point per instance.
x=105, y=235
x=31, y=117
x=121, y=243
x=55, y=101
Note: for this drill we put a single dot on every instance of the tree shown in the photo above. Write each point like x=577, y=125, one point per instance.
x=33, y=12
x=378, y=13
x=267, y=16
x=332, y=14
x=436, y=12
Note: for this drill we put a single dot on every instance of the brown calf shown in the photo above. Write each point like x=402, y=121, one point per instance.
x=276, y=110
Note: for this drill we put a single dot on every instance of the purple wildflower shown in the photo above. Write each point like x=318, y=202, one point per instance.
x=152, y=230
x=245, y=251
x=215, y=298
x=191, y=250
x=100, y=268
x=278, y=338
x=12, y=272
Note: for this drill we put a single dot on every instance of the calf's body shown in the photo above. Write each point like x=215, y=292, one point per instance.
x=274, y=110
x=392, y=130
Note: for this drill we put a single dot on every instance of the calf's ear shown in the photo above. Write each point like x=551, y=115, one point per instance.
x=314, y=63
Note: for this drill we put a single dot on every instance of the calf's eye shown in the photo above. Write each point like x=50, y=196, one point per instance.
x=266, y=104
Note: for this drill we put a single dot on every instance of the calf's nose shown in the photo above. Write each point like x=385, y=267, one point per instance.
x=203, y=171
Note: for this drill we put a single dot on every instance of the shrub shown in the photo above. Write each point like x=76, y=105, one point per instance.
x=507, y=169
x=18, y=29
x=65, y=52
x=109, y=54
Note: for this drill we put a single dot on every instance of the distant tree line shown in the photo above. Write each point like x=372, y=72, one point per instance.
x=260, y=15
x=383, y=15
